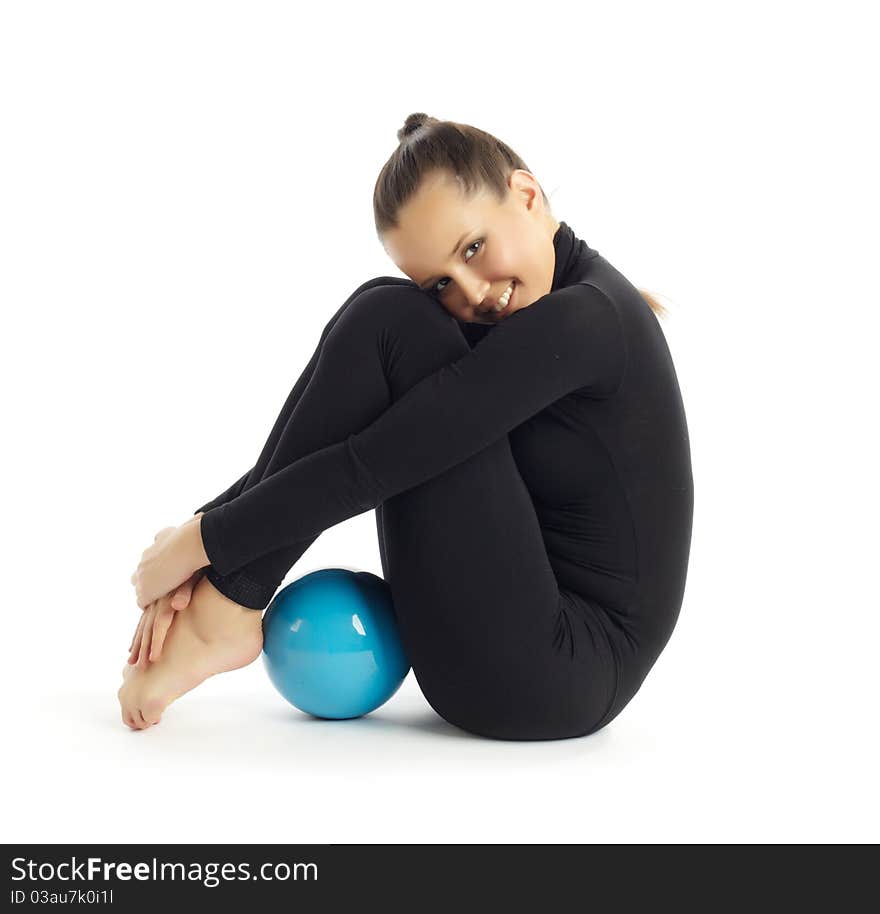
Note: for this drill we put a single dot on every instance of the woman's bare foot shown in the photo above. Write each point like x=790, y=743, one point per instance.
x=212, y=635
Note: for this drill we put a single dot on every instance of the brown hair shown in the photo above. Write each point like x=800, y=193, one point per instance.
x=476, y=158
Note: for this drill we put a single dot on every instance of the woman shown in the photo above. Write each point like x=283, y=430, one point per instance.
x=512, y=413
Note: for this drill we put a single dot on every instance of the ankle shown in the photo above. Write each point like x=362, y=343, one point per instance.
x=221, y=609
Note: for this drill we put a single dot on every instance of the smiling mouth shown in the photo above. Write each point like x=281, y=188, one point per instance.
x=494, y=310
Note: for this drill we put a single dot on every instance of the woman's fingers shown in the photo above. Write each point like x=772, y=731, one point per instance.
x=140, y=651
x=137, y=628
x=165, y=608
x=135, y=647
x=149, y=615
x=181, y=597
x=149, y=636
x=161, y=624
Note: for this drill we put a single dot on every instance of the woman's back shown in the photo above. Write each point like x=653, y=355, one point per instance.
x=610, y=475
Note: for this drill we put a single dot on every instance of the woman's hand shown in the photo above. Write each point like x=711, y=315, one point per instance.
x=155, y=621
x=175, y=555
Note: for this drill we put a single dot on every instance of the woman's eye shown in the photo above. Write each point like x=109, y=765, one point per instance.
x=478, y=241
x=436, y=289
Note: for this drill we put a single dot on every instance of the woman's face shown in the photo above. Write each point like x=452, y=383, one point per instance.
x=496, y=244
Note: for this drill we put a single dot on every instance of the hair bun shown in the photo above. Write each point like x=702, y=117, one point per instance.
x=412, y=123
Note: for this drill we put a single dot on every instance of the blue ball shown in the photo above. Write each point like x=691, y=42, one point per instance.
x=331, y=644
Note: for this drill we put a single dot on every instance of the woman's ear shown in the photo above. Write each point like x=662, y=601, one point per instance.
x=524, y=186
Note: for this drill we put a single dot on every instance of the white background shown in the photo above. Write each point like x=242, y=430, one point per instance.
x=186, y=200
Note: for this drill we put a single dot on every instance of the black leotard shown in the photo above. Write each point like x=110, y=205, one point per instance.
x=582, y=383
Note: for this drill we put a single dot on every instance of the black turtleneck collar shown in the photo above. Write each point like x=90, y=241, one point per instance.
x=572, y=257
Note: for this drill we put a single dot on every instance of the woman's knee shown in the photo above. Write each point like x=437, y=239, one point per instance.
x=414, y=333
x=388, y=300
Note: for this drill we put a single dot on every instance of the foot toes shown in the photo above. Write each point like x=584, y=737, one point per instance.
x=151, y=712
x=130, y=717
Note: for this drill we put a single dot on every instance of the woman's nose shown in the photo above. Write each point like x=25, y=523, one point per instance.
x=475, y=291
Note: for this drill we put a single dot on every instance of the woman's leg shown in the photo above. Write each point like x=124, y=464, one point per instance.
x=216, y=633
x=495, y=646
x=240, y=586
x=348, y=395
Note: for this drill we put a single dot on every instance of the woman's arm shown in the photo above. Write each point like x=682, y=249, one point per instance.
x=232, y=492
x=568, y=340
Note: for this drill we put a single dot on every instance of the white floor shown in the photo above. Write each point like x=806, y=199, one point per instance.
x=698, y=755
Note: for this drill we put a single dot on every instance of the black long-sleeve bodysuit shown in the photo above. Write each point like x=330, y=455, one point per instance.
x=532, y=485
